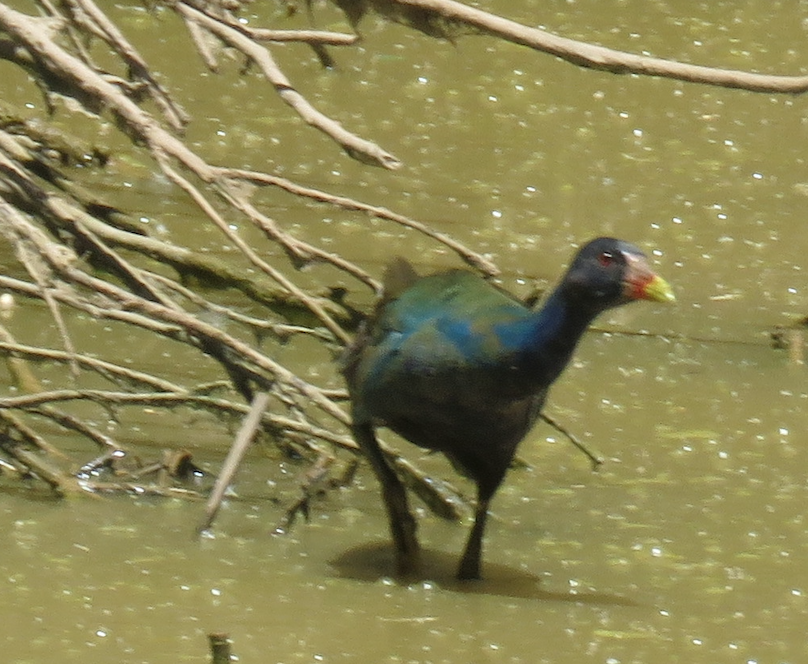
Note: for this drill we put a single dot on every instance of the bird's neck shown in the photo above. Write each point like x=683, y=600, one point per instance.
x=547, y=338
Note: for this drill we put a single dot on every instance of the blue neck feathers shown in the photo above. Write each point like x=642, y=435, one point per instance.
x=545, y=339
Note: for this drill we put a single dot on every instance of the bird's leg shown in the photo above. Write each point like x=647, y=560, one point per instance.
x=402, y=523
x=472, y=556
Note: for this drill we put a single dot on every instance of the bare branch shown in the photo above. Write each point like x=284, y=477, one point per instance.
x=358, y=148
x=600, y=57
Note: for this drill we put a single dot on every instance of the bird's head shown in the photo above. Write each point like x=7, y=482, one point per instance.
x=607, y=272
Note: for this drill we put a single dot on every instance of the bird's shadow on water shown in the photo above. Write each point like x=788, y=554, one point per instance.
x=374, y=561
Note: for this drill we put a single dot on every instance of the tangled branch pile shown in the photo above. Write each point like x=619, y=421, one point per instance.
x=83, y=258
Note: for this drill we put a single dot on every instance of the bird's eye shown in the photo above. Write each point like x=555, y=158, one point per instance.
x=606, y=258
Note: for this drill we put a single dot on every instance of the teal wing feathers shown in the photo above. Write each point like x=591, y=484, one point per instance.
x=433, y=367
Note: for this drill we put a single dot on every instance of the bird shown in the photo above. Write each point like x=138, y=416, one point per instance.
x=454, y=364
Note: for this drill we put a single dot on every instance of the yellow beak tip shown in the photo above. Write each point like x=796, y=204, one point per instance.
x=659, y=290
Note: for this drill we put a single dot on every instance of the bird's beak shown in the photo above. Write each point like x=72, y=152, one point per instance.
x=642, y=283
x=657, y=290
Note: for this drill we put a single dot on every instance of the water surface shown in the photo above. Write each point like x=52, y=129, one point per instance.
x=687, y=546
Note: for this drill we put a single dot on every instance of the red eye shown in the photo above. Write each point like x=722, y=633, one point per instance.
x=606, y=258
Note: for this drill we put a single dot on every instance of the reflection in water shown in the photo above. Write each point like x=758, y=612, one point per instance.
x=373, y=562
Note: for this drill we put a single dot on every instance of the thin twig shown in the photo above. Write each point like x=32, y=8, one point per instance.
x=472, y=258
x=106, y=369
x=233, y=460
x=88, y=14
x=596, y=462
x=312, y=303
x=306, y=36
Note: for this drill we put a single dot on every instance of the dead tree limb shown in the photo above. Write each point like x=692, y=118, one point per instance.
x=589, y=55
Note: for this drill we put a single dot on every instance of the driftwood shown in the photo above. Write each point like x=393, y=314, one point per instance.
x=445, y=18
x=81, y=257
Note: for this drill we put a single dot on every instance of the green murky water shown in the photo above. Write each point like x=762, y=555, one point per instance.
x=688, y=546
